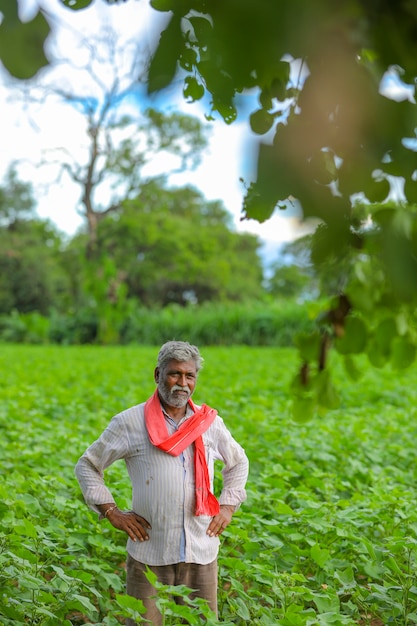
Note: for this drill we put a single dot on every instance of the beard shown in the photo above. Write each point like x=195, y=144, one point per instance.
x=171, y=398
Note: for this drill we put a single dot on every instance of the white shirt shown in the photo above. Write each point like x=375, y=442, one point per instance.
x=163, y=487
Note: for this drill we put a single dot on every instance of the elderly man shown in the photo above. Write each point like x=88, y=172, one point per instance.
x=169, y=446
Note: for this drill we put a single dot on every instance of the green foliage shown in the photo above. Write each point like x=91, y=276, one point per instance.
x=22, y=44
x=251, y=323
x=173, y=246
x=326, y=537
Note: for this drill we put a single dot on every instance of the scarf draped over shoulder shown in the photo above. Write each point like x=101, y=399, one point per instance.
x=189, y=432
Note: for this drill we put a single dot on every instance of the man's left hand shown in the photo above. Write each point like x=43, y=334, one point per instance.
x=221, y=520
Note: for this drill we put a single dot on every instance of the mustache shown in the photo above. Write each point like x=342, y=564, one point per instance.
x=179, y=388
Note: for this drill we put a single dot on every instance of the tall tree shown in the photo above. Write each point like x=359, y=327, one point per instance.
x=105, y=90
x=172, y=245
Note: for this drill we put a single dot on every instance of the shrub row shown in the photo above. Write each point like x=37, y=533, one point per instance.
x=253, y=324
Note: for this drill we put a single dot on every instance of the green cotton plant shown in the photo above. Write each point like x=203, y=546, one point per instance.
x=327, y=535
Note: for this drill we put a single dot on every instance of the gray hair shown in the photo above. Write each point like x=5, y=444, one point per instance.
x=179, y=351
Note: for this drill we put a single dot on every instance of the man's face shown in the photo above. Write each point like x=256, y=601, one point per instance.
x=176, y=382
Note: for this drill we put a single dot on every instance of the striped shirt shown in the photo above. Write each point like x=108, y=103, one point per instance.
x=163, y=486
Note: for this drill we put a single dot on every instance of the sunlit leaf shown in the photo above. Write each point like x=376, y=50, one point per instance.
x=319, y=555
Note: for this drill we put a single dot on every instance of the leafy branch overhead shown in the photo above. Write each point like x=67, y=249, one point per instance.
x=333, y=139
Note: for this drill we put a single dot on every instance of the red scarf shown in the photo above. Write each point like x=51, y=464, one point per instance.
x=190, y=431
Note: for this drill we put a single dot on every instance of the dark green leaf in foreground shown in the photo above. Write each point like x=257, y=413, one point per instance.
x=162, y=5
x=76, y=4
x=193, y=90
x=164, y=62
x=354, y=338
x=403, y=352
x=261, y=121
x=22, y=45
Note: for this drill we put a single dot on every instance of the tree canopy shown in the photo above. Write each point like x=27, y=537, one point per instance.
x=170, y=245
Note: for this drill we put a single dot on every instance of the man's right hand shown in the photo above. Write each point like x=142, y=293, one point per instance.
x=131, y=523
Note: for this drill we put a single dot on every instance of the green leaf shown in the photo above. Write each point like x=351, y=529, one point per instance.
x=303, y=409
x=164, y=61
x=21, y=46
x=242, y=609
x=188, y=59
x=163, y=5
x=76, y=4
x=327, y=394
x=193, y=90
x=403, y=353
x=319, y=555
x=227, y=110
x=261, y=121
x=346, y=577
x=283, y=509
x=85, y=602
x=203, y=29
x=377, y=190
x=375, y=355
x=308, y=345
x=327, y=602
x=26, y=528
x=350, y=366
x=128, y=602
x=384, y=334
x=355, y=337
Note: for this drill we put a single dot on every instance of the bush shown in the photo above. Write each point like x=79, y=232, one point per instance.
x=252, y=324
x=24, y=328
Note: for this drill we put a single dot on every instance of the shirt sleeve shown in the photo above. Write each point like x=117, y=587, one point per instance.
x=111, y=446
x=236, y=466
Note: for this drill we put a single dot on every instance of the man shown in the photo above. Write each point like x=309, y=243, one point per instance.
x=169, y=446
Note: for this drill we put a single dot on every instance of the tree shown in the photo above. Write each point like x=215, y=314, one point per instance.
x=173, y=246
x=122, y=136
x=31, y=275
x=16, y=199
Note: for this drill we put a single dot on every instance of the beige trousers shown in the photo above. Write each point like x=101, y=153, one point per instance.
x=202, y=578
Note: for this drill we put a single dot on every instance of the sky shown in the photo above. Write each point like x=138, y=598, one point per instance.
x=30, y=133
